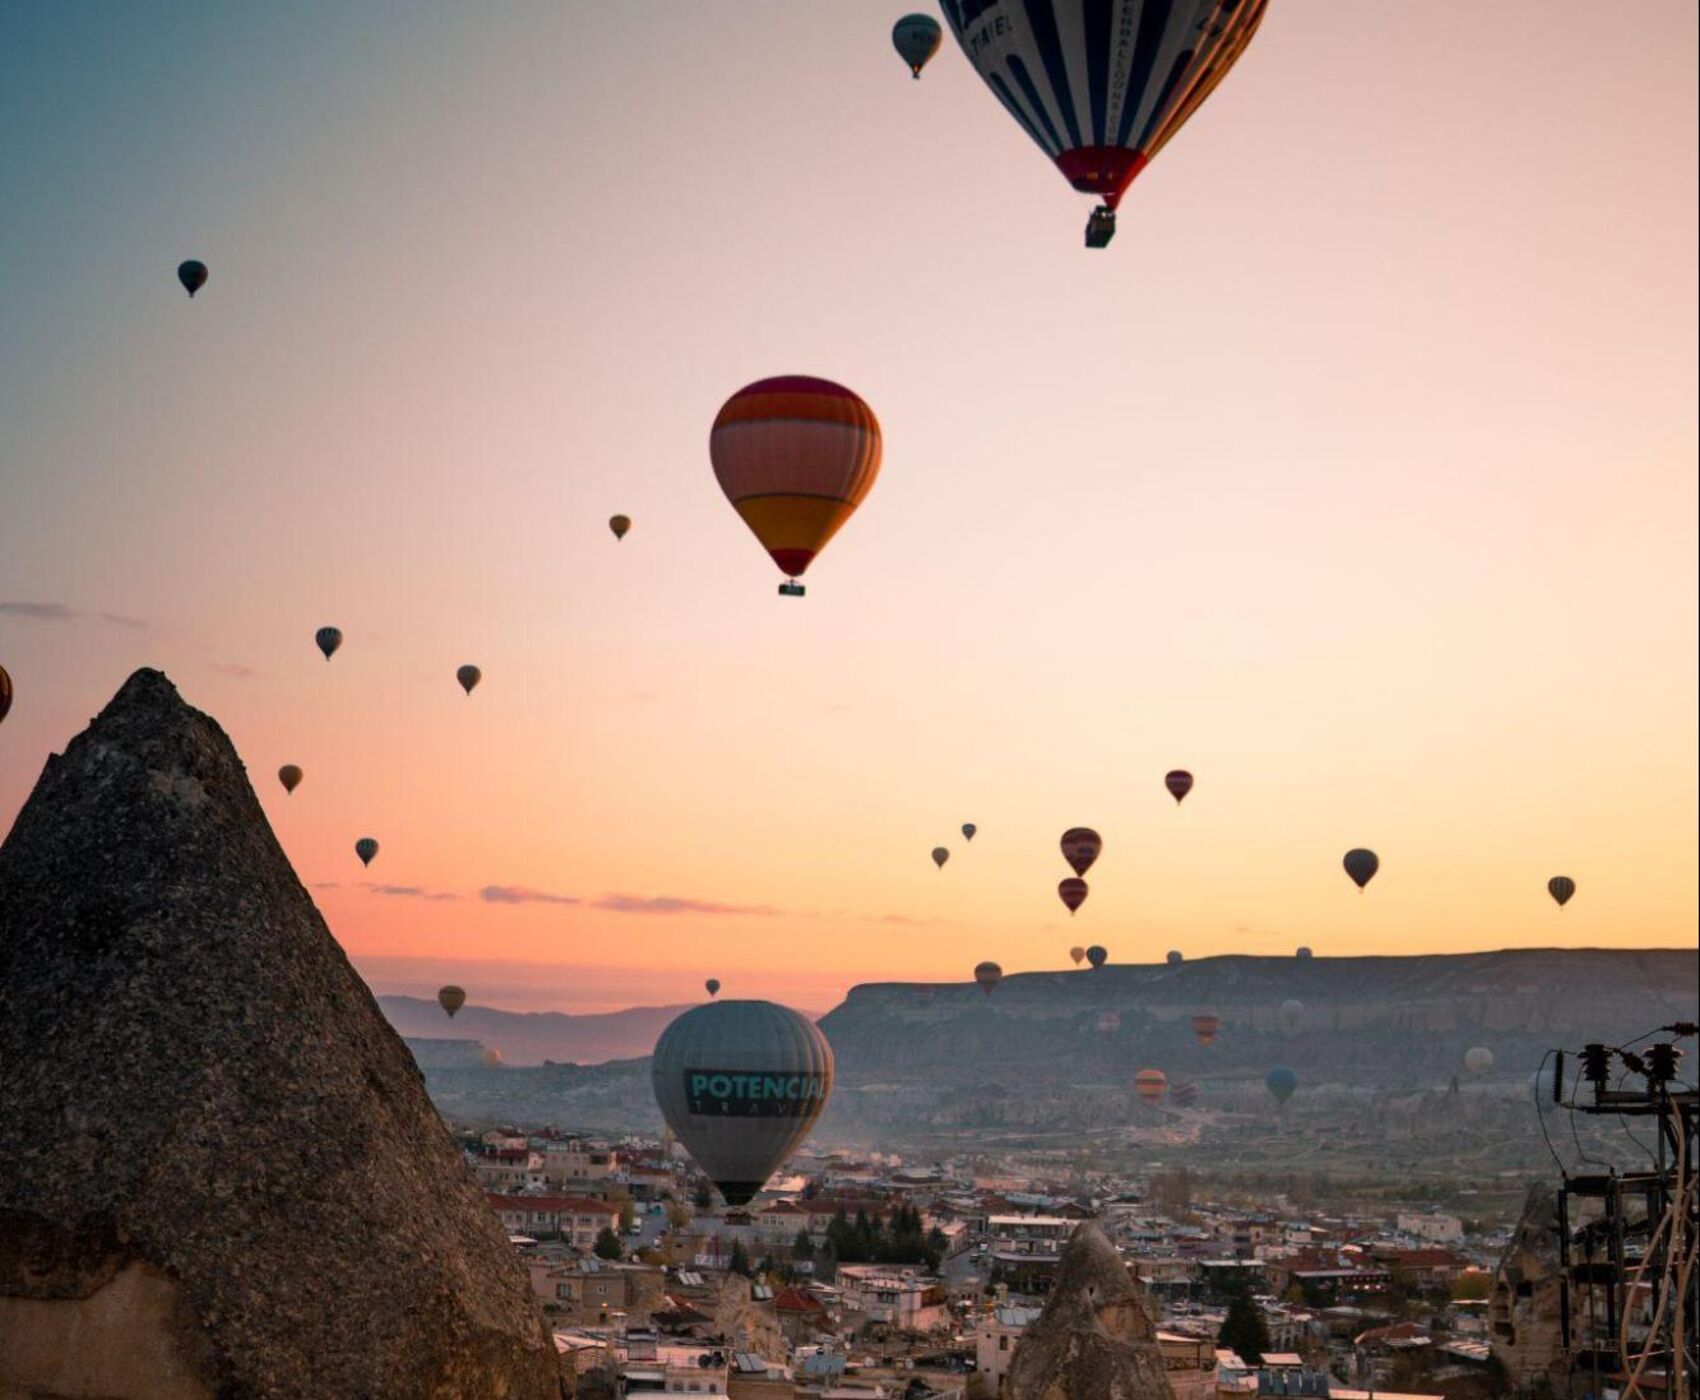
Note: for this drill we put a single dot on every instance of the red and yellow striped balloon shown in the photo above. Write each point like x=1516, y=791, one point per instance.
x=795, y=456
x=1149, y=1084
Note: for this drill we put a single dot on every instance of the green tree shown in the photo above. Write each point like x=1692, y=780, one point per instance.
x=1243, y=1330
x=741, y=1260
x=803, y=1247
x=607, y=1244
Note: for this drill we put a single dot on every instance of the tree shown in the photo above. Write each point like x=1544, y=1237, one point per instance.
x=741, y=1260
x=626, y=1216
x=702, y=1200
x=803, y=1247
x=677, y=1216
x=607, y=1244
x=1243, y=1330
x=1472, y=1286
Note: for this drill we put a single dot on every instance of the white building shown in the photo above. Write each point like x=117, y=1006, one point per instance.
x=1437, y=1229
x=995, y=1339
x=907, y=1300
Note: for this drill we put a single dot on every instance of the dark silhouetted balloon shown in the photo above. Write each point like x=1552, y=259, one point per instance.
x=193, y=275
x=1302, y=953
x=1183, y=1095
x=1073, y=893
x=1205, y=1026
x=741, y=1083
x=988, y=975
x=365, y=848
x=1097, y=955
x=1560, y=887
x=940, y=856
x=1175, y=959
x=329, y=639
x=1150, y=1083
x=290, y=776
x=1080, y=847
x=712, y=986
x=1281, y=1082
x=916, y=39
x=1078, y=954
x=1179, y=784
x=968, y=830
x=5, y=693
x=468, y=676
x=619, y=524
x=1361, y=865
x=451, y=999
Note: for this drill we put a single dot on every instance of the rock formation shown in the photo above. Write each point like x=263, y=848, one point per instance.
x=1523, y=1308
x=1094, y=1340
x=219, y=1173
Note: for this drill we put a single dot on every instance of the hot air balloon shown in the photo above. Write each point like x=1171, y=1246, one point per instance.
x=619, y=524
x=1078, y=954
x=1281, y=1082
x=5, y=693
x=1097, y=956
x=988, y=975
x=916, y=39
x=1073, y=893
x=1205, y=1026
x=193, y=275
x=1174, y=958
x=1183, y=1095
x=290, y=776
x=940, y=856
x=1179, y=784
x=712, y=986
x=468, y=676
x=741, y=1083
x=1302, y=953
x=968, y=830
x=1080, y=847
x=1102, y=85
x=1560, y=887
x=795, y=456
x=1291, y=1013
x=329, y=639
x=451, y=999
x=1361, y=865
x=1478, y=1059
x=1150, y=1083
x=491, y=1058
x=365, y=848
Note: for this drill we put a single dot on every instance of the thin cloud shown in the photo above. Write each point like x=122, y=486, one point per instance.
x=408, y=892
x=234, y=669
x=326, y=885
x=40, y=612
x=519, y=894
x=668, y=904
x=120, y=620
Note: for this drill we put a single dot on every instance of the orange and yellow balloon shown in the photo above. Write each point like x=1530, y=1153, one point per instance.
x=795, y=456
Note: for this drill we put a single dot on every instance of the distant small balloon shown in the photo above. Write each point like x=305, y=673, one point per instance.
x=1097, y=955
x=968, y=830
x=1080, y=847
x=1291, y=1013
x=290, y=776
x=1179, y=784
x=5, y=693
x=365, y=848
x=1150, y=1083
x=1206, y=1025
x=1183, y=1095
x=1560, y=887
x=193, y=275
x=712, y=986
x=1361, y=865
x=619, y=524
x=1175, y=959
x=451, y=999
x=329, y=639
x=988, y=975
x=468, y=676
x=1078, y=954
x=491, y=1058
x=1302, y=953
x=1281, y=1082
x=1073, y=893
x=940, y=856
x=916, y=39
x=1478, y=1059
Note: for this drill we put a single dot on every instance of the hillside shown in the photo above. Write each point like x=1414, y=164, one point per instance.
x=533, y=1037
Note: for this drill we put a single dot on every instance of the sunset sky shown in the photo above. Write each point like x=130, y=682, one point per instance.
x=1358, y=476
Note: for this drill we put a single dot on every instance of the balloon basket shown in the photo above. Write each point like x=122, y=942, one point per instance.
x=791, y=589
x=1101, y=227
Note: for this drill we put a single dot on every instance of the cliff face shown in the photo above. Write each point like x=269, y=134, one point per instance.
x=1094, y=1340
x=219, y=1171
x=1523, y=1309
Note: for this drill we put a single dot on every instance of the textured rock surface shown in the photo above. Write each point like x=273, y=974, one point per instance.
x=1523, y=1309
x=1094, y=1340
x=211, y=1142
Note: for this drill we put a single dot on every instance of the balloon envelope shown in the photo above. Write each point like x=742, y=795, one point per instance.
x=619, y=524
x=451, y=999
x=290, y=776
x=1101, y=85
x=988, y=975
x=1097, y=955
x=1175, y=959
x=916, y=39
x=940, y=856
x=365, y=848
x=1302, y=953
x=1080, y=847
x=1184, y=1095
x=1281, y=1082
x=1291, y=1013
x=5, y=693
x=795, y=456
x=1073, y=893
x=1205, y=1026
x=1078, y=954
x=741, y=1083
x=468, y=676
x=491, y=1058
x=1150, y=1084
x=1560, y=887
x=1478, y=1059
x=192, y=274
x=712, y=986
x=328, y=639
x=1361, y=865
x=1179, y=783
x=968, y=830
